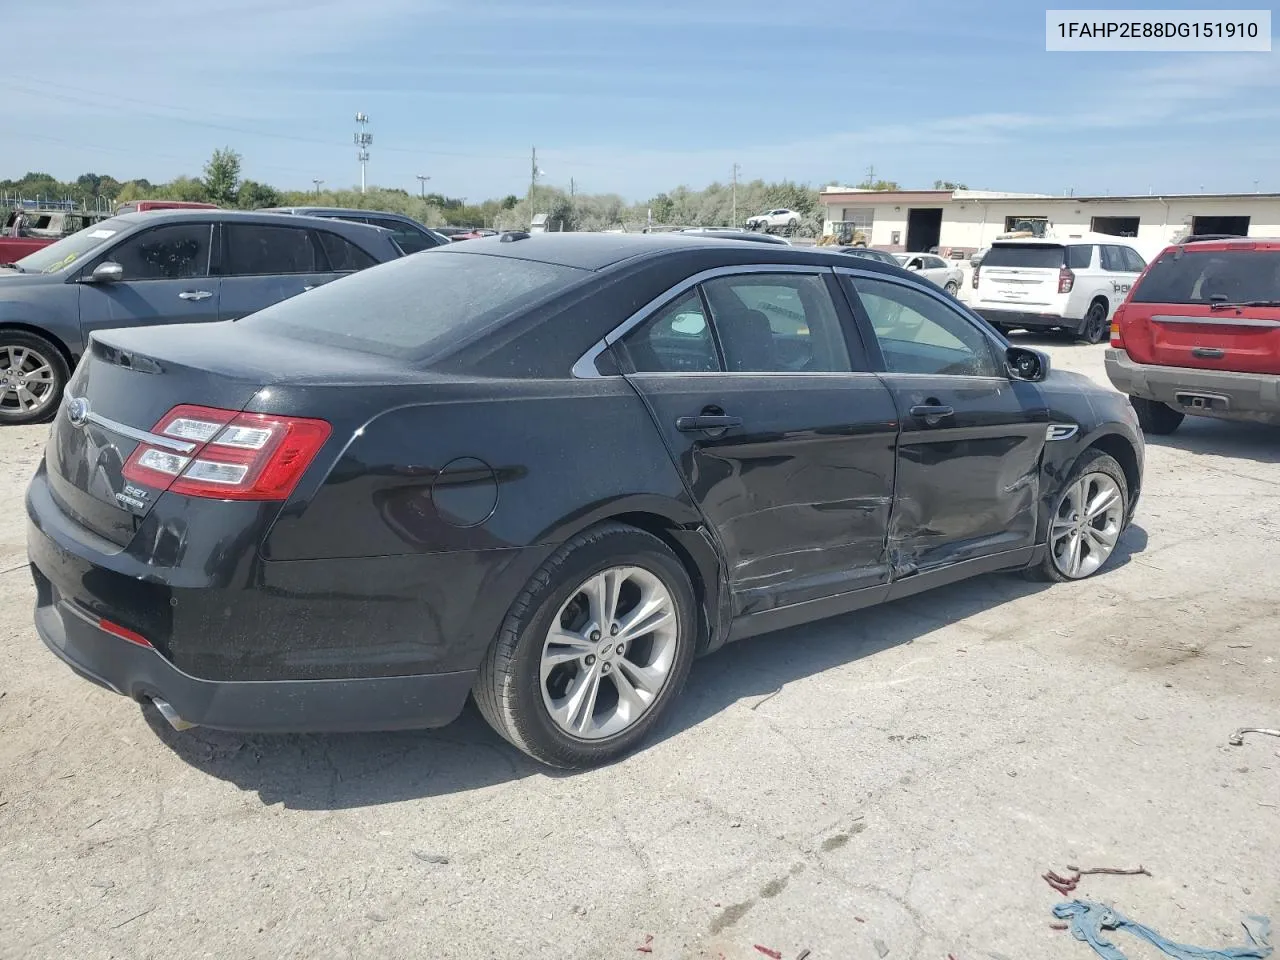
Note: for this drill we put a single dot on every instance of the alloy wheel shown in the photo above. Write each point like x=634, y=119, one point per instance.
x=609, y=652
x=27, y=380
x=1086, y=525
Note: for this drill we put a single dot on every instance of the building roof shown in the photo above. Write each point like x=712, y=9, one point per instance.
x=835, y=195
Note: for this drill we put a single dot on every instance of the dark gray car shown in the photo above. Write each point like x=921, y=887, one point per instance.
x=409, y=234
x=146, y=269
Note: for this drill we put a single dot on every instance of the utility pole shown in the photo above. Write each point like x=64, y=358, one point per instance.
x=734, y=219
x=533, y=182
x=534, y=174
x=362, y=140
x=317, y=181
x=573, y=187
x=422, y=182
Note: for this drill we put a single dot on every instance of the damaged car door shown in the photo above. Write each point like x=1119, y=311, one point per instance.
x=972, y=437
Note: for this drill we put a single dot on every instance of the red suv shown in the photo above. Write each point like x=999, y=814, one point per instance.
x=1199, y=334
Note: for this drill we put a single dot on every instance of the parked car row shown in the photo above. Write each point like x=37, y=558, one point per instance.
x=348, y=511
x=160, y=267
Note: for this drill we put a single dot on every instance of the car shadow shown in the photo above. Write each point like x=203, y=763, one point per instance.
x=1223, y=438
x=345, y=771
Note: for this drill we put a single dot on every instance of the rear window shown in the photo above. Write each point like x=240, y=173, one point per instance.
x=1024, y=255
x=1221, y=276
x=415, y=307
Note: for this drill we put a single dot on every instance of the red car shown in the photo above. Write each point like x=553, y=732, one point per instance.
x=1199, y=334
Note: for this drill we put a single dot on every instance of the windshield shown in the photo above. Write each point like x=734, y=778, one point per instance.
x=1033, y=255
x=1212, y=276
x=412, y=308
x=63, y=253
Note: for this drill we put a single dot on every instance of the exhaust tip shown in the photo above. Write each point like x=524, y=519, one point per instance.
x=171, y=715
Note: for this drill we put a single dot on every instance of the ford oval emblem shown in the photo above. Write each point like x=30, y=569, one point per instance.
x=78, y=411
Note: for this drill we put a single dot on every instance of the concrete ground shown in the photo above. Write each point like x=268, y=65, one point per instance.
x=891, y=783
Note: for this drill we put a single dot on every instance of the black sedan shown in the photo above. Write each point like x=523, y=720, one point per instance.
x=575, y=464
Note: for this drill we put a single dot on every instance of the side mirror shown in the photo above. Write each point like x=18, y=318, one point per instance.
x=106, y=272
x=1027, y=364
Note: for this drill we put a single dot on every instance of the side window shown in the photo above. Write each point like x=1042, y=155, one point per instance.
x=255, y=250
x=1080, y=257
x=1133, y=260
x=1113, y=258
x=920, y=334
x=175, y=252
x=777, y=323
x=344, y=256
x=676, y=339
x=935, y=263
x=409, y=239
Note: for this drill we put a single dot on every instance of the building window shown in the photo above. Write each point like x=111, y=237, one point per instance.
x=1035, y=226
x=1115, y=226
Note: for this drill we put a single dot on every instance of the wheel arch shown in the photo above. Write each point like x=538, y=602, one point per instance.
x=43, y=334
x=1122, y=450
x=682, y=529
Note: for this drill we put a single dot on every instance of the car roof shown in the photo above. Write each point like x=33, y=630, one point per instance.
x=336, y=211
x=1234, y=243
x=599, y=251
x=230, y=216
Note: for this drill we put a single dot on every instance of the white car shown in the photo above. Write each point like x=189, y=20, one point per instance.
x=1072, y=285
x=934, y=269
x=779, y=219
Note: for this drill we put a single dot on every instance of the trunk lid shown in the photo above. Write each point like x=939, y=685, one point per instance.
x=1209, y=307
x=129, y=379
x=1021, y=274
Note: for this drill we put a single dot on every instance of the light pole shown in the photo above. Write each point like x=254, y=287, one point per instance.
x=422, y=182
x=734, y=222
x=317, y=181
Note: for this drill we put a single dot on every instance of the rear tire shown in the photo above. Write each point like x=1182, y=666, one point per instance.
x=1095, y=329
x=33, y=376
x=953, y=288
x=1156, y=418
x=548, y=651
x=1089, y=515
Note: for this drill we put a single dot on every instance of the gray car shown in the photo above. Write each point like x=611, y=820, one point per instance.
x=409, y=234
x=147, y=269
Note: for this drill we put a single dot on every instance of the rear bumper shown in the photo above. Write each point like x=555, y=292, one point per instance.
x=1028, y=320
x=1225, y=394
x=278, y=706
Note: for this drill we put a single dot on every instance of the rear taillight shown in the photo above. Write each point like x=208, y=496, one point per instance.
x=1066, y=280
x=975, y=277
x=233, y=456
x=1117, y=337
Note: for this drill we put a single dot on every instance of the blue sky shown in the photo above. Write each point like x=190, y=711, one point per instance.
x=627, y=97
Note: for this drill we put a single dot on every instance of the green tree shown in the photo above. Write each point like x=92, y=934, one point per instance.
x=869, y=184
x=253, y=195
x=948, y=185
x=184, y=188
x=222, y=177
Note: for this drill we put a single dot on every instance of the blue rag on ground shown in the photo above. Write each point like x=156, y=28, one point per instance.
x=1088, y=920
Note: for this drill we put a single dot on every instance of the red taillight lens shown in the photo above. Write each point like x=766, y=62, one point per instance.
x=1066, y=280
x=975, y=277
x=1117, y=337
x=234, y=456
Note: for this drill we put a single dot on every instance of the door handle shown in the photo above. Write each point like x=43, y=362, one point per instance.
x=932, y=413
x=707, y=422
x=195, y=295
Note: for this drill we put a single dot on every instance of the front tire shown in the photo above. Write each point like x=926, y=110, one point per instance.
x=594, y=650
x=1155, y=417
x=1089, y=516
x=33, y=375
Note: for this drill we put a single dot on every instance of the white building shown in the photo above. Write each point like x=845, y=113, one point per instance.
x=961, y=222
